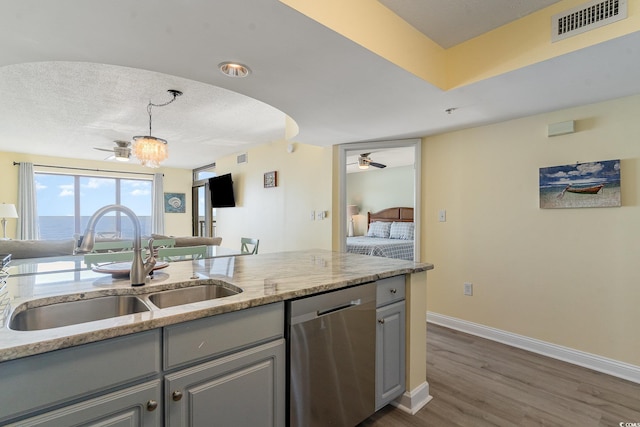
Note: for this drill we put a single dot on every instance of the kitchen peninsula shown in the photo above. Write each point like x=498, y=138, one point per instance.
x=154, y=344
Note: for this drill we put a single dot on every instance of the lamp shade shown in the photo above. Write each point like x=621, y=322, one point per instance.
x=352, y=210
x=8, y=211
x=150, y=150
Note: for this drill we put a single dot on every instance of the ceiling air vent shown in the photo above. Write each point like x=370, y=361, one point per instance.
x=242, y=158
x=587, y=17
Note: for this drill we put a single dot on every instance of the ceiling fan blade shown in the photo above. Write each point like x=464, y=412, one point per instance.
x=103, y=149
x=377, y=165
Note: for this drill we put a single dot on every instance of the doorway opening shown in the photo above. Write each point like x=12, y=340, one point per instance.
x=401, y=159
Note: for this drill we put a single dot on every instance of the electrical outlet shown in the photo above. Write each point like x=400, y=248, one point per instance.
x=468, y=289
x=319, y=215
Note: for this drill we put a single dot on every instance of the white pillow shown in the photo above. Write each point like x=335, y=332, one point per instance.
x=402, y=230
x=379, y=229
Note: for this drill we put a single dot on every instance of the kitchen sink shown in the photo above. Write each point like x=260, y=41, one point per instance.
x=192, y=294
x=74, y=312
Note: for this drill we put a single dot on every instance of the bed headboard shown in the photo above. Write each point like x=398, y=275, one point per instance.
x=396, y=214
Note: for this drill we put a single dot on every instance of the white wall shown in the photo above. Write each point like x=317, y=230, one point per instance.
x=280, y=216
x=377, y=189
x=566, y=276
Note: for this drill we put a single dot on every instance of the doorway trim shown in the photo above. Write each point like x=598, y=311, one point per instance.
x=416, y=143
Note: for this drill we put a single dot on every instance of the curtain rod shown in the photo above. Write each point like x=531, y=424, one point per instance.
x=87, y=169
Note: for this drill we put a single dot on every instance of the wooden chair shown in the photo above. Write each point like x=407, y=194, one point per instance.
x=177, y=254
x=97, y=258
x=246, y=243
x=114, y=246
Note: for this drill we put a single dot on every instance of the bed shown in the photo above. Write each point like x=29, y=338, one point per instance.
x=389, y=234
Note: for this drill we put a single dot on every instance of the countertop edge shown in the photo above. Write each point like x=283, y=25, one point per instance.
x=174, y=315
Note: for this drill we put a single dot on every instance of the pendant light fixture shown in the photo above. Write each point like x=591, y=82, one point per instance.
x=149, y=149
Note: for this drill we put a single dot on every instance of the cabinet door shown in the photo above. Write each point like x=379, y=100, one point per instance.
x=243, y=389
x=390, y=353
x=139, y=406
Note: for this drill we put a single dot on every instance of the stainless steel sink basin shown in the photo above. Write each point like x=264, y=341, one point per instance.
x=192, y=294
x=74, y=312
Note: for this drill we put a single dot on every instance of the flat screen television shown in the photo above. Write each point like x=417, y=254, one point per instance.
x=221, y=188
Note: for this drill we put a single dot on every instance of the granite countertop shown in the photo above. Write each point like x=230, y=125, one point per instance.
x=264, y=279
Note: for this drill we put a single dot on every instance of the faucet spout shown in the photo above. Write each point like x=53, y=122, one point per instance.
x=139, y=268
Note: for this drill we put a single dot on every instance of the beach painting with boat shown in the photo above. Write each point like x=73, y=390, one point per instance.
x=581, y=185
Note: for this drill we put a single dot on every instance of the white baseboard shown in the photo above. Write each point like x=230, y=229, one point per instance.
x=414, y=400
x=587, y=360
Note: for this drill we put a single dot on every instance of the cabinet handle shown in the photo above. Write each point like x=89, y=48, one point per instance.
x=393, y=291
x=176, y=395
x=152, y=405
x=381, y=321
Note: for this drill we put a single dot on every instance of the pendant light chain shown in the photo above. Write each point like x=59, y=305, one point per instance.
x=173, y=92
x=149, y=149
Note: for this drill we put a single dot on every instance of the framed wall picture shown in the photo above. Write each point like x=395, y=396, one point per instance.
x=174, y=203
x=581, y=185
x=271, y=179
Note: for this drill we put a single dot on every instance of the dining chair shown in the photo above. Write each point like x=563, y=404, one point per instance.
x=246, y=244
x=162, y=243
x=178, y=254
x=113, y=246
x=97, y=258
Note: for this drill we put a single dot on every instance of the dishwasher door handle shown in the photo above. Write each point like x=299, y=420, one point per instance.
x=326, y=311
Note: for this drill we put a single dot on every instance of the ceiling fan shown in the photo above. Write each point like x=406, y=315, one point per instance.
x=364, y=161
x=121, y=152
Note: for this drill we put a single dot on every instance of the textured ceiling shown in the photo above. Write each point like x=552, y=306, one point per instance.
x=78, y=74
x=454, y=21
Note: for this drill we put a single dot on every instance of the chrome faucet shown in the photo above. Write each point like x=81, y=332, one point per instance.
x=139, y=268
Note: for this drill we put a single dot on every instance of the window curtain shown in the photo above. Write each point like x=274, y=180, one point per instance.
x=27, y=203
x=157, y=199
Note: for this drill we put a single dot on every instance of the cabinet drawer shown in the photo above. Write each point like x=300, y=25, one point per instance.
x=203, y=338
x=390, y=290
x=247, y=388
x=49, y=379
x=128, y=407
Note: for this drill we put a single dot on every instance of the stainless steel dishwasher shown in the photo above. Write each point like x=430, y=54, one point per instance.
x=331, y=344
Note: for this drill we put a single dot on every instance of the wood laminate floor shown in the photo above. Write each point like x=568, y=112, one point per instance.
x=477, y=382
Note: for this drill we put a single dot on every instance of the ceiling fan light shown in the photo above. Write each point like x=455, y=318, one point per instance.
x=122, y=159
x=363, y=163
x=150, y=150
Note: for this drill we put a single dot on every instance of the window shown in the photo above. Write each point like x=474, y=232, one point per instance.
x=66, y=202
x=204, y=222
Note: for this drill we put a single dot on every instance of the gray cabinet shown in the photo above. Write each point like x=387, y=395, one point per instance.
x=239, y=378
x=138, y=406
x=229, y=368
x=243, y=389
x=390, y=340
x=49, y=381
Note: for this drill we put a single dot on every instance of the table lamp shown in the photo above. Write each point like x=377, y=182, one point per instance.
x=7, y=211
x=351, y=211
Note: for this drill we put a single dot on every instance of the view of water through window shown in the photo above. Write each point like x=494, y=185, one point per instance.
x=67, y=202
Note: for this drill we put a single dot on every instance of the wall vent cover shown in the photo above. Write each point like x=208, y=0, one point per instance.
x=587, y=17
x=242, y=158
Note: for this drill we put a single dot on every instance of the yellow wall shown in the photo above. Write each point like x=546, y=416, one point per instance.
x=527, y=41
x=518, y=44
x=565, y=276
x=280, y=216
x=374, y=27
x=175, y=181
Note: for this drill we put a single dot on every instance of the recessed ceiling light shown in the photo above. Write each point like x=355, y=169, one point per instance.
x=233, y=69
